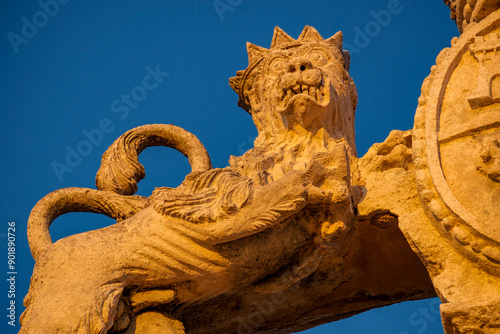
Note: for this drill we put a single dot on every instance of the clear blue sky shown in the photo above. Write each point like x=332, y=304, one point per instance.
x=65, y=77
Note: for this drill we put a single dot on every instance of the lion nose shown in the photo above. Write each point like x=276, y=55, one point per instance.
x=299, y=64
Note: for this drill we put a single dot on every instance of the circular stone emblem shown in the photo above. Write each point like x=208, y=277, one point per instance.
x=456, y=143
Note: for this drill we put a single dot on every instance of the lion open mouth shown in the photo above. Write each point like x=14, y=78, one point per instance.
x=317, y=93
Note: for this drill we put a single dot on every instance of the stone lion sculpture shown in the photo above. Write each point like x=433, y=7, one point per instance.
x=198, y=241
x=297, y=231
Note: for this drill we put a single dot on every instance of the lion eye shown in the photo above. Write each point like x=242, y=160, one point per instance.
x=277, y=67
x=318, y=58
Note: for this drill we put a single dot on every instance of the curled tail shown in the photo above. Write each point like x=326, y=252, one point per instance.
x=66, y=200
x=120, y=168
x=118, y=175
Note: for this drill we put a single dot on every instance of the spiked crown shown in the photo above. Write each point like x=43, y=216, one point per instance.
x=281, y=40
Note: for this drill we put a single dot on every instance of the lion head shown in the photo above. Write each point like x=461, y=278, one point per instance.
x=301, y=86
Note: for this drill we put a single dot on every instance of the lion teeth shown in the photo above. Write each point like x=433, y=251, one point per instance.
x=316, y=92
x=312, y=92
x=287, y=98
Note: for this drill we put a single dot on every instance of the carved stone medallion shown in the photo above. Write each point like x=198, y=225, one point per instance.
x=456, y=143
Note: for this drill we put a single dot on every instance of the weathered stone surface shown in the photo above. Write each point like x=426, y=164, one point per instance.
x=455, y=153
x=272, y=243
x=298, y=231
x=466, y=12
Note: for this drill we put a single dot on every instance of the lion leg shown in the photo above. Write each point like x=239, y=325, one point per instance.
x=138, y=321
x=271, y=204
